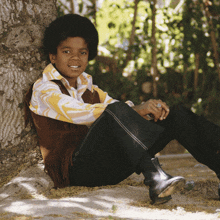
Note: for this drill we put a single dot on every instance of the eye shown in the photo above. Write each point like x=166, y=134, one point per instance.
x=66, y=51
x=84, y=52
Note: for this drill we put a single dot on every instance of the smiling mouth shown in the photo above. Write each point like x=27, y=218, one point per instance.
x=74, y=67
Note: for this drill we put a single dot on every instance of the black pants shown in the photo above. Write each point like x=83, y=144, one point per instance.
x=199, y=136
x=120, y=137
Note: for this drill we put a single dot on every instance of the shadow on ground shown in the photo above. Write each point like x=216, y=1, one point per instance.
x=30, y=196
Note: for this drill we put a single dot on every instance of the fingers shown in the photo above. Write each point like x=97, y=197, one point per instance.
x=148, y=117
x=152, y=108
x=159, y=109
x=164, y=109
x=163, y=115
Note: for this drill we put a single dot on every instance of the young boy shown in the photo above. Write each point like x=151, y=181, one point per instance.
x=88, y=138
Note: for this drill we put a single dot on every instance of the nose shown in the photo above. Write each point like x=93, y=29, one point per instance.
x=75, y=56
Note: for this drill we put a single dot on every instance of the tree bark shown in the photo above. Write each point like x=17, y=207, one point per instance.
x=213, y=38
x=196, y=72
x=22, y=23
x=154, y=71
x=72, y=7
x=94, y=12
x=131, y=40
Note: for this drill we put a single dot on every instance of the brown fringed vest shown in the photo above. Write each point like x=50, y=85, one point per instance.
x=58, y=139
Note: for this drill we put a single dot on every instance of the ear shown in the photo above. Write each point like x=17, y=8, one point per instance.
x=52, y=58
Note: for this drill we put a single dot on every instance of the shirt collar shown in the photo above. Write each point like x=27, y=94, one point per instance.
x=84, y=81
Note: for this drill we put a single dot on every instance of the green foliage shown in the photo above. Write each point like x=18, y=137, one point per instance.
x=182, y=32
x=62, y=8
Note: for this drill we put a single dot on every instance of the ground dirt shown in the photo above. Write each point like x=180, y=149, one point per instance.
x=29, y=196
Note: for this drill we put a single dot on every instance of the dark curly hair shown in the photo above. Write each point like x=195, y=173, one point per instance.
x=71, y=25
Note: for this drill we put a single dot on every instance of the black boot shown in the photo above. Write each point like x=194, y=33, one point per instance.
x=161, y=184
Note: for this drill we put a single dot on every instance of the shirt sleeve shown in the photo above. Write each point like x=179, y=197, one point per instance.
x=47, y=100
x=105, y=98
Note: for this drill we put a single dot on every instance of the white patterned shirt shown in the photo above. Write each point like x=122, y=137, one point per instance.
x=48, y=100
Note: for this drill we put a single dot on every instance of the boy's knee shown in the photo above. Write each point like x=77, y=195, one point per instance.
x=118, y=107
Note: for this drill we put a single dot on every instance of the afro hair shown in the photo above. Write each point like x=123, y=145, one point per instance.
x=71, y=25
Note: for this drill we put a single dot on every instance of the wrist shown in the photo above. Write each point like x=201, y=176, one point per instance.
x=139, y=110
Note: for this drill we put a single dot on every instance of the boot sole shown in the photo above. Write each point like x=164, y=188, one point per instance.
x=172, y=188
x=161, y=200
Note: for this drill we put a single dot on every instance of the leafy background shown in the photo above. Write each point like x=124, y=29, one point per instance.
x=156, y=49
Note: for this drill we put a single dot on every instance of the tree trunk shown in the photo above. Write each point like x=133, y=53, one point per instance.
x=94, y=12
x=196, y=72
x=154, y=71
x=72, y=7
x=132, y=36
x=22, y=23
x=213, y=38
x=185, y=80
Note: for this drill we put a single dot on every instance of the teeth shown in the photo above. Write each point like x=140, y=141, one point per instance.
x=74, y=66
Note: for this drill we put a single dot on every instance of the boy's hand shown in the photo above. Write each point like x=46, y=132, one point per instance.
x=154, y=107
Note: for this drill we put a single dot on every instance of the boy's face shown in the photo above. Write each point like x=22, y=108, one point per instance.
x=71, y=59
